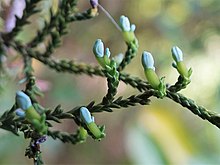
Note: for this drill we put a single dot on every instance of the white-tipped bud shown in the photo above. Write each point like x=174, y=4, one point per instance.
x=133, y=27
x=86, y=115
x=107, y=52
x=177, y=54
x=147, y=60
x=125, y=23
x=98, y=48
x=23, y=100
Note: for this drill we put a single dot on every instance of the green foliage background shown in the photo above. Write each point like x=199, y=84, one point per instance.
x=161, y=133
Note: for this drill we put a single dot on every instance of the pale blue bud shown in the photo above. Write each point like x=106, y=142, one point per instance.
x=23, y=100
x=19, y=112
x=98, y=48
x=147, y=60
x=125, y=23
x=107, y=52
x=177, y=54
x=133, y=27
x=85, y=115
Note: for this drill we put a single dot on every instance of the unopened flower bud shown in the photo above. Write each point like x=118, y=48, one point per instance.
x=90, y=122
x=149, y=70
x=128, y=31
x=177, y=54
x=98, y=48
x=147, y=60
x=85, y=115
x=133, y=27
x=23, y=100
x=125, y=23
x=107, y=52
x=179, y=64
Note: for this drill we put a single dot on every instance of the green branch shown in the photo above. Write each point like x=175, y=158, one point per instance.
x=129, y=55
x=58, y=23
x=203, y=113
x=65, y=137
x=65, y=66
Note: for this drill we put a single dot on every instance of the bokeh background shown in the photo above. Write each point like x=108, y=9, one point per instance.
x=161, y=133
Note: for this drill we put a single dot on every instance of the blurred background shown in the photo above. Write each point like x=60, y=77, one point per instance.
x=161, y=133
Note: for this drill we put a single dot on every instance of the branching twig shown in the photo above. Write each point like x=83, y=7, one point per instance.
x=35, y=121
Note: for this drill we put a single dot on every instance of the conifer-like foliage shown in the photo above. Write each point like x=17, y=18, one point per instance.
x=32, y=119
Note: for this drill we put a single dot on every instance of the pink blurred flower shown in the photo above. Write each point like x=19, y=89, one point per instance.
x=16, y=9
x=43, y=85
